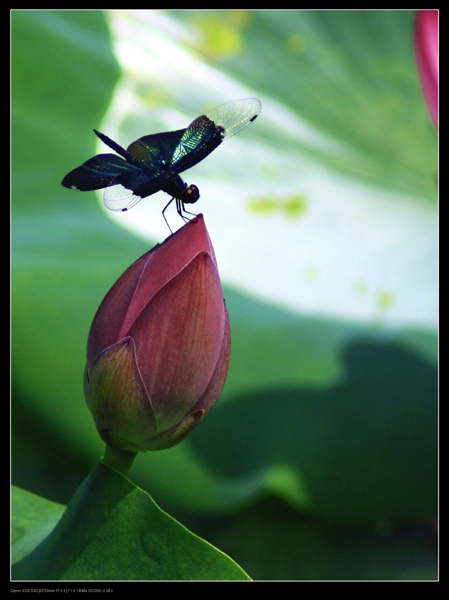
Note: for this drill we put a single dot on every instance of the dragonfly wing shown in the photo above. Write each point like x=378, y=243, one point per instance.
x=199, y=139
x=154, y=153
x=234, y=116
x=208, y=131
x=119, y=198
x=98, y=172
x=156, y=150
x=125, y=191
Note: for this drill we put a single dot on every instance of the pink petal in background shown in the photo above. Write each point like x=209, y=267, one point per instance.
x=426, y=53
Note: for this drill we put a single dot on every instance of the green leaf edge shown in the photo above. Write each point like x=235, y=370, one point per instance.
x=108, y=508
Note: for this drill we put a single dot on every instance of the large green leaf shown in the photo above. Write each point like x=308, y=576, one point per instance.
x=350, y=74
x=341, y=249
x=64, y=252
x=112, y=530
x=363, y=451
x=32, y=520
x=274, y=542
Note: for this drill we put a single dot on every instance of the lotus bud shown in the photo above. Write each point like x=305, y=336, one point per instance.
x=159, y=346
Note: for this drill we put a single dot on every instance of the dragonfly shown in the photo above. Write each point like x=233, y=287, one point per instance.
x=153, y=162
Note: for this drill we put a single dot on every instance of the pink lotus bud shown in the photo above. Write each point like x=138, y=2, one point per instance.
x=426, y=53
x=159, y=346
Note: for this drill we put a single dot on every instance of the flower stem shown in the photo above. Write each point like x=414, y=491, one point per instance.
x=121, y=460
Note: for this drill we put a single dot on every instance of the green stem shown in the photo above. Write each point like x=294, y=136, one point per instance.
x=121, y=460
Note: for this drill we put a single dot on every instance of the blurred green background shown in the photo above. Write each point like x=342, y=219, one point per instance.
x=320, y=459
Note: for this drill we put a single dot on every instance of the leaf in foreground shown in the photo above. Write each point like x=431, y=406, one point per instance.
x=113, y=530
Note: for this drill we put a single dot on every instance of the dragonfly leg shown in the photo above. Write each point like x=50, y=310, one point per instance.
x=166, y=206
x=181, y=207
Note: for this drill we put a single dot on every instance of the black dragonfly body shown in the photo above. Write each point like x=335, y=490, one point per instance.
x=153, y=162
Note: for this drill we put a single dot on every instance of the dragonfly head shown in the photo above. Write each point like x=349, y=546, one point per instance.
x=190, y=195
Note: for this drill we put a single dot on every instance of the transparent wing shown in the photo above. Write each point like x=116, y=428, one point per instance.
x=118, y=198
x=234, y=116
x=208, y=131
x=127, y=189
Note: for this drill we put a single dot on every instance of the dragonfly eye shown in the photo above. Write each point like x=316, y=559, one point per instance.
x=190, y=195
